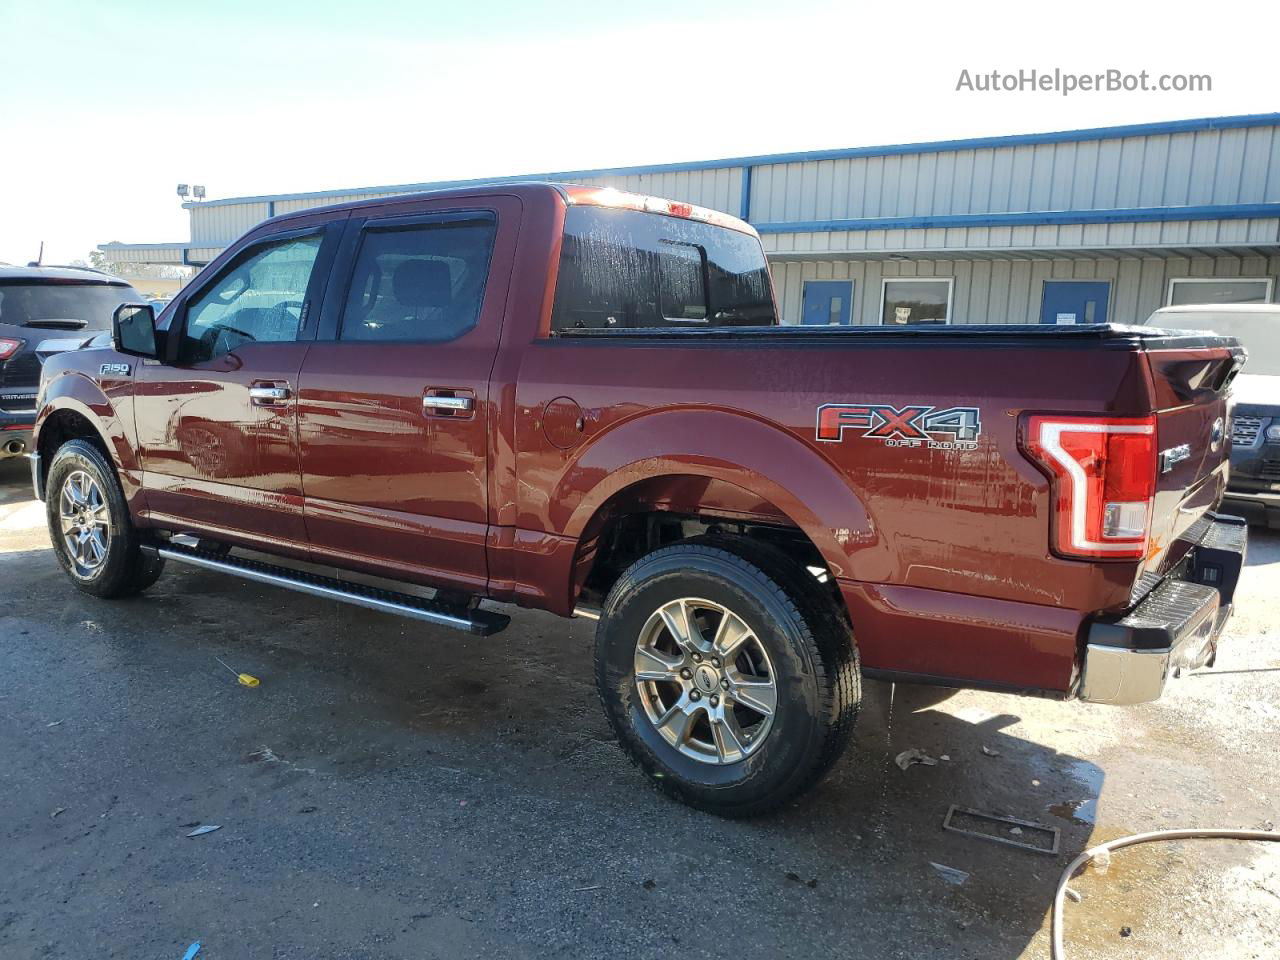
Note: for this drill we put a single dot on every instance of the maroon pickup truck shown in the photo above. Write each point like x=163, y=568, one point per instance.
x=580, y=400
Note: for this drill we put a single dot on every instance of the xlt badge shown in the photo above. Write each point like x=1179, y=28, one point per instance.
x=933, y=428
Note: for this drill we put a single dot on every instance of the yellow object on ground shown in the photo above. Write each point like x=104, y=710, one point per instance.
x=246, y=679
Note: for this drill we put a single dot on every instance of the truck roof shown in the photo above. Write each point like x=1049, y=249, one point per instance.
x=577, y=194
x=81, y=274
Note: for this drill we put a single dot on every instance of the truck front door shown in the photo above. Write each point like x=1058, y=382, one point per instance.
x=217, y=427
x=393, y=406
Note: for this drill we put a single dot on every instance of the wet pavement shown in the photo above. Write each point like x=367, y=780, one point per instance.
x=393, y=790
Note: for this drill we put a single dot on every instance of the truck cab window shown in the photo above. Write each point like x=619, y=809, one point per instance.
x=258, y=300
x=683, y=282
x=420, y=282
x=628, y=268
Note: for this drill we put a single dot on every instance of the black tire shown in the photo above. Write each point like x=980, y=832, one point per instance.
x=124, y=569
x=811, y=655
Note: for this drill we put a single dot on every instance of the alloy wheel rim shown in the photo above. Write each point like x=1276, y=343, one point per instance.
x=705, y=680
x=85, y=523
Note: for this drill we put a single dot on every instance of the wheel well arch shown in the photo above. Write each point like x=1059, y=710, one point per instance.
x=60, y=427
x=665, y=509
x=732, y=466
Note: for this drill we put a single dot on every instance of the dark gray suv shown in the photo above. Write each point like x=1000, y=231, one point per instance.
x=43, y=311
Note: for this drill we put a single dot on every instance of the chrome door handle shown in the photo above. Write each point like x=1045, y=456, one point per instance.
x=268, y=395
x=446, y=403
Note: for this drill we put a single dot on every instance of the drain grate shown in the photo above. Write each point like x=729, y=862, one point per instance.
x=1023, y=834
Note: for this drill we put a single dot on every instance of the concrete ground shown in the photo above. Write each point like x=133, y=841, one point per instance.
x=397, y=791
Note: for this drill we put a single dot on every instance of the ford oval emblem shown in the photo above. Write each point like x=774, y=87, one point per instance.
x=1215, y=435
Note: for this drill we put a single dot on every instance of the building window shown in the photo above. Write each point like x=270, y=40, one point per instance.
x=915, y=301
x=1213, y=290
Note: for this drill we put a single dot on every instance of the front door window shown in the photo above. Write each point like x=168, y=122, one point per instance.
x=259, y=300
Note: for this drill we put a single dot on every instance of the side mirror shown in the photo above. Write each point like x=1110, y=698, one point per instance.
x=133, y=330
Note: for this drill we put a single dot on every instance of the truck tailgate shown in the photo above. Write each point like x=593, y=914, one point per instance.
x=1190, y=395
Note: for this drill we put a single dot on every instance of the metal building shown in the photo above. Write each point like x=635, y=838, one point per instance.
x=1071, y=227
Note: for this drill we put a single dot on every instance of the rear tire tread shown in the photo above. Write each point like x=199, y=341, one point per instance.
x=826, y=633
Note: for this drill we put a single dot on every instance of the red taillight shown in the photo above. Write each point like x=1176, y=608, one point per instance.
x=1104, y=480
x=9, y=347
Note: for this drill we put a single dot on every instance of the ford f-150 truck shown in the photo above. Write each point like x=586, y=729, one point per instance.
x=581, y=400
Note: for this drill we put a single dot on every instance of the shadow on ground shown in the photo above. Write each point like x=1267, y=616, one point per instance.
x=393, y=790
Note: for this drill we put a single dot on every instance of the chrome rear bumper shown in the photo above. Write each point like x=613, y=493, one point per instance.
x=1175, y=628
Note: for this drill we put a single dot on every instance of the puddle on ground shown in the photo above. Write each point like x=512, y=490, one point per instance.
x=1082, y=812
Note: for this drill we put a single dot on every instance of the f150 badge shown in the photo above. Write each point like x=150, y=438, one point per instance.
x=931, y=428
x=113, y=370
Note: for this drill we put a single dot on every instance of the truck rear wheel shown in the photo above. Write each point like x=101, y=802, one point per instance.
x=89, y=524
x=728, y=674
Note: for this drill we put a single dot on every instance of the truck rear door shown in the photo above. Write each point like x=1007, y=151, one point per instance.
x=394, y=409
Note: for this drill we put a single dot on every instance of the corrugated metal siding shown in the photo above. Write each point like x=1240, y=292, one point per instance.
x=292, y=206
x=1205, y=167
x=219, y=225
x=1010, y=291
x=717, y=189
x=1117, y=235
x=150, y=255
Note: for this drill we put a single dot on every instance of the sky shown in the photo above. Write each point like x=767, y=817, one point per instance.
x=106, y=106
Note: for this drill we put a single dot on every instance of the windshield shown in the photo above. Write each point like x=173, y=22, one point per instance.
x=29, y=302
x=1258, y=332
x=625, y=268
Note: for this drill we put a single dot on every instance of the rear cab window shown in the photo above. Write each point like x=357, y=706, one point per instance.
x=628, y=269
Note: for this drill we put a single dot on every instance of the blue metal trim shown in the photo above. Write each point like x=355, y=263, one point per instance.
x=1024, y=139
x=271, y=209
x=1220, y=211
x=938, y=146
x=744, y=206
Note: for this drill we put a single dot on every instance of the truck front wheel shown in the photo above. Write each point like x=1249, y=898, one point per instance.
x=727, y=672
x=93, y=536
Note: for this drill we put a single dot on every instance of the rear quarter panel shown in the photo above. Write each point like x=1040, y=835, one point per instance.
x=971, y=521
x=944, y=541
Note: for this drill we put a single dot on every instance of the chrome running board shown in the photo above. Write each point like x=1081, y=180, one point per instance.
x=482, y=623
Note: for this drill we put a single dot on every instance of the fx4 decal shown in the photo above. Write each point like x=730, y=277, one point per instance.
x=932, y=428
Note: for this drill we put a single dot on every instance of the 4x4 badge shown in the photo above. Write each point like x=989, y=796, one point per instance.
x=934, y=428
